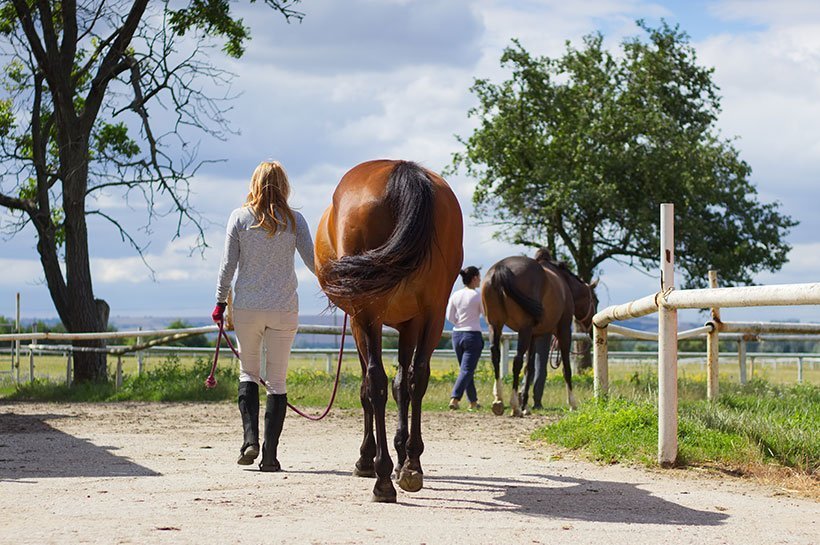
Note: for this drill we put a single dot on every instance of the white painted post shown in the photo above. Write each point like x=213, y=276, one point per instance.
x=505, y=352
x=667, y=346
x=800, y=370
x=712, y=347
x=751, y=367
x=329, y=363
x=68, y=368
x=600, y=362
x=119, y=371
x=741, y=360
x=30, y=364
x=31, y=356
x=139, y=355
x=16, y=357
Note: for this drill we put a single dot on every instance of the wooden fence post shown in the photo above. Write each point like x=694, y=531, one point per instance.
x=667, y=346
x=741, y=360
x=600, y=362
x=139, y=355
x=713, y=347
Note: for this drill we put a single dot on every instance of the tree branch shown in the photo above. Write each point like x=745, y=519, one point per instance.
x=24, y=15
x=125, y=236
x=112, y=58
x=24, y=205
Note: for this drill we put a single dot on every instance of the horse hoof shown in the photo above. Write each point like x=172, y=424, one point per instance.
x=384, y=494
x=516, y=413
x=359, y=471
x=498, y=408
x=411, y=480
x=383, y=499
x=526, y=412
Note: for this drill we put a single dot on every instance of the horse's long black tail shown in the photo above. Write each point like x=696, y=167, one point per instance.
x=379, y=270
x=503, y=281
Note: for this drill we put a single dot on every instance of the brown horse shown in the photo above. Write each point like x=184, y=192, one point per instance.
x=388, y=250
x=534, y=297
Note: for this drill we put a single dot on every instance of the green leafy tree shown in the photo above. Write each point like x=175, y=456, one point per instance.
x=79, y=82
x=576, y=153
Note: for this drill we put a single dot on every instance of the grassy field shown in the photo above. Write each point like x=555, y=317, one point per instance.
x=52, y=368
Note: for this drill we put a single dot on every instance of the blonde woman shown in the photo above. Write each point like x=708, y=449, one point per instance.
x=261, y=240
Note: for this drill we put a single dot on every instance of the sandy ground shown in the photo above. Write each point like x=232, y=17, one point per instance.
x=157, y=473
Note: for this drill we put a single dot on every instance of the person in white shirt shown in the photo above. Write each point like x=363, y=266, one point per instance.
x=464, y=311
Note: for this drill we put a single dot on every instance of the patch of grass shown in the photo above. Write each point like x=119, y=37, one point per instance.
x=751, y=424
x=168, y=381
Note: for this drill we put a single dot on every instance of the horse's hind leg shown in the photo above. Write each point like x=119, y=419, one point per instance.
x=564, y=343
x=411, y=476
x=401, y=390
x=367, y=450
x=524, y=338
x=369, y=334
x=495, y=357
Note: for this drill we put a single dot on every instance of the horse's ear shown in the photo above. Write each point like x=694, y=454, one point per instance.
x=594, y=283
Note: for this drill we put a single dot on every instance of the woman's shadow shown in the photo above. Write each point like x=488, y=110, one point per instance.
x=31, y=449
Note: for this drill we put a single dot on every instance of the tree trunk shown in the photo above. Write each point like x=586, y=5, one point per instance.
x=583, y=348
x=84, y=313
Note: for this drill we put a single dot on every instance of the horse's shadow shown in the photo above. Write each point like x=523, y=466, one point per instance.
x=571, y=498
x=551, y=496
x=31, y=449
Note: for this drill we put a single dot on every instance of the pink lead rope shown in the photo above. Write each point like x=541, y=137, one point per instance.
x=210, y=382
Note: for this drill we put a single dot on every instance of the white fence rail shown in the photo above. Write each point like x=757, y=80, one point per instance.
x=667, y=302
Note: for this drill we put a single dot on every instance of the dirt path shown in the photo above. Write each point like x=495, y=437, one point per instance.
x=155, y=473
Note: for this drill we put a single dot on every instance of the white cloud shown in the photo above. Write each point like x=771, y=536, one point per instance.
x=339, y=100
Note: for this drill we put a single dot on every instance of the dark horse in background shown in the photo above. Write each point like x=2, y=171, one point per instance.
x=534, y=297
x=388, y=250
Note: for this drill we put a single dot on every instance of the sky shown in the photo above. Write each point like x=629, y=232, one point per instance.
x=366, y=79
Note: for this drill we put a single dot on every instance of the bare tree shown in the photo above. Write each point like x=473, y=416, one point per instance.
x=80, y=80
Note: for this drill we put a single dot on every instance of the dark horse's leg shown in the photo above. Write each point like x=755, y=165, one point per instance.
x=495, y=356
x=524, y=338
x=367, y=451
x=411, y=476
x=565, y=343
x=368, y=334
x=408, y=333
x=528, y=376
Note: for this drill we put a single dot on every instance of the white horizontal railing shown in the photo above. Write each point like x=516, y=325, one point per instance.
x=667, y=302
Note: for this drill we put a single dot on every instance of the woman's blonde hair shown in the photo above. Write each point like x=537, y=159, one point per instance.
x=268, y=197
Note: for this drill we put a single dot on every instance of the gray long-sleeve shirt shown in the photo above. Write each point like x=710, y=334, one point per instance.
x=267, y=277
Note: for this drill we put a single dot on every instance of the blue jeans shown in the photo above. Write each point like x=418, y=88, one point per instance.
x=539, y=376
x=468, y=346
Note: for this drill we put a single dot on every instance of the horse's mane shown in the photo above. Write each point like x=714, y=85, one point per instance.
x=543, y=256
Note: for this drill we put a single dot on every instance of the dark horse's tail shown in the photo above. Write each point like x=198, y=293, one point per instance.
x=377, y=271
x=502, y=282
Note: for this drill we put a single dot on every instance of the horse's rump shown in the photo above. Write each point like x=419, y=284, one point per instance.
x=409, y=196
x=503, y=281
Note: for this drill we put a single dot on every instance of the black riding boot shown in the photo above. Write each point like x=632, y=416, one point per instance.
x=275, y=409
x=249, y=409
